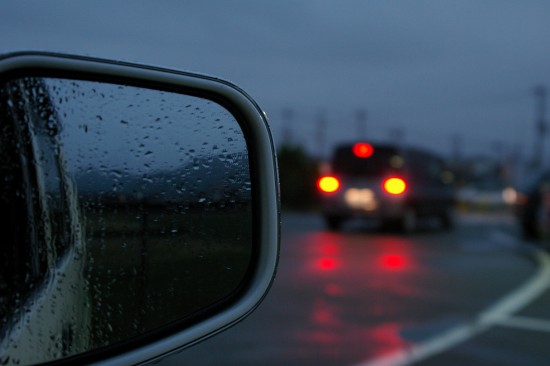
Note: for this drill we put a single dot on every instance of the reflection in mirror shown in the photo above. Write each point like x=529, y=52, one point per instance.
x=126, y=208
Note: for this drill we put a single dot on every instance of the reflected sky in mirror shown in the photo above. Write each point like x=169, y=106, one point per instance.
x=137, y=135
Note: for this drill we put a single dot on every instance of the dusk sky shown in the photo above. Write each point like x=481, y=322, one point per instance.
x=430, y=69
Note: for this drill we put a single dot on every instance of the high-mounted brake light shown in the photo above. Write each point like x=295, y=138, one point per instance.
x=363, y=150
x=395, y=186
x=328, y=184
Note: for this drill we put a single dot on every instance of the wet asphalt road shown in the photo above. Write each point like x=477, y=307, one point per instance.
x=363, y=295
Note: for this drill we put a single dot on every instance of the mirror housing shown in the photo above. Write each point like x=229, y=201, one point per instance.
x=265, y=216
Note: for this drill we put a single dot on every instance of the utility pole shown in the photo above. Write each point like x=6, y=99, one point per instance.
x=288, y=114
x=456, y=143
x=361, y=118
x=397, y=135
x=498, y=149
x=541, y=129
x=320, y=134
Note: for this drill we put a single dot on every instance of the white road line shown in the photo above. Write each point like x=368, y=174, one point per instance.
x=537, y=325
x=498, y=313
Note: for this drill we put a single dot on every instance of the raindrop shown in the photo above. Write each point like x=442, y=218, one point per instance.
x=116, y=173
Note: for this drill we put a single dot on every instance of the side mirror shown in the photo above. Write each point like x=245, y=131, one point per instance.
x=140, y=209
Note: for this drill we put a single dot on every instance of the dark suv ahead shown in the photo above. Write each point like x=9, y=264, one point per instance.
x=393, y=184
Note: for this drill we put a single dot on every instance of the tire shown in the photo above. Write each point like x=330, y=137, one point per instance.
x=333, y=223
x=529, y=231
x=533, y=225
x=408, y=223
x=541, y=223
x=448, y=220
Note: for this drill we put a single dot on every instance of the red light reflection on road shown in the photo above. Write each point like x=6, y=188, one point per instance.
x=326, y=253
x=328, y=264
x=361, y=285
x=325, y=314
x=386, y=337
x=393, y=261
x=330, y=248
x=332, y=289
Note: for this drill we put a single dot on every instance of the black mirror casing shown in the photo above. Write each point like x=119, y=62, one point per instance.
x=264, y=205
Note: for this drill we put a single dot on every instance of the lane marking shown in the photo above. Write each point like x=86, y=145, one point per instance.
x=498, y=313
x=521, y=322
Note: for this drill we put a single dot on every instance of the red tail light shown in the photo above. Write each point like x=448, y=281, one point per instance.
x=395, y=186
x=328, y=184
x=393, y=261
x=363, y=150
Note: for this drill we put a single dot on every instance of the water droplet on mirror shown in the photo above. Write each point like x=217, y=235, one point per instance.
x=116, y=173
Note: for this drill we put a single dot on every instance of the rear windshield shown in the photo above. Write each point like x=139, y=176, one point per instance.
x=383, y=161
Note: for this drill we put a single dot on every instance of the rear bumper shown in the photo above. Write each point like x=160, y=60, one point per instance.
x=336, y=206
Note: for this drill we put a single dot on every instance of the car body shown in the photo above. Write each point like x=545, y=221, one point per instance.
x=532, y=206
x=387, y=182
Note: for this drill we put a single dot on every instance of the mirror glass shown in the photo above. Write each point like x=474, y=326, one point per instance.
x=126, y=209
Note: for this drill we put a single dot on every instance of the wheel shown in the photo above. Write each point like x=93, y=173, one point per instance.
x=542, y=223
x=529, y=227
x=448, y=219
x=534, y=225
x=333, y=223
x=408, y=223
